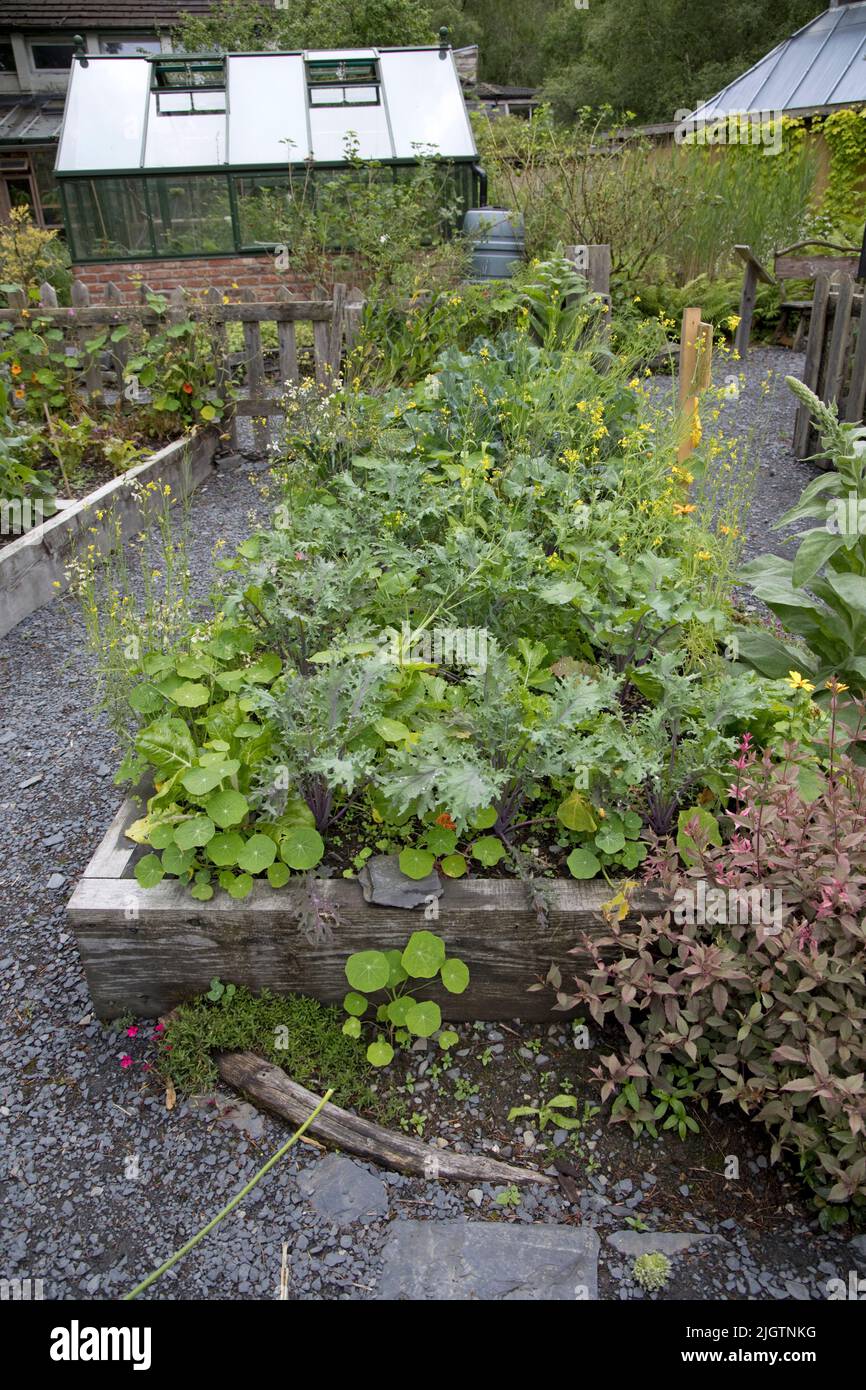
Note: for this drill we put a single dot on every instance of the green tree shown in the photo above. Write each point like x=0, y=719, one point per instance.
x=250, y=26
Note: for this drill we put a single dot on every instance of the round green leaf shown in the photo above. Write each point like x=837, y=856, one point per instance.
x=367, y=971
x=416, y=863
x=398, y=1009
x=397, y=973
x=488, y=850
x=240, y=887
x=162, y=835
x=145, y=699
x=424, y=1019
x=447, y=1038
x=355, y=1004
x=441, y=840
x=202, y=891
x=193, y=833
x=191, y=695
x=610, y=841
x=227, y=808
x=257, y=854
x=483, y=819
x=302, y=847
x=177, y=861
x=454, y=866
x=224, y=848
x=582, y=863
x=278, y=875
x=380, y=1053
x=455, y=975
x=149, y=871
x=352, y=1028
x=201, y=780
x=424, y=955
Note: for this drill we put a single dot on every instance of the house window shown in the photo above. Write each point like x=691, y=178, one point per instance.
x=124, y=46
x=343, y=82
x=52, y=57
x=189, y=88
x=7, y=59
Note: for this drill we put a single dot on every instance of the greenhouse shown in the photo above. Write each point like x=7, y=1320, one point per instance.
x=163, y=156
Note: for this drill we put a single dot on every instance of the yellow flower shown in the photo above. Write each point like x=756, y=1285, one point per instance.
x=703, y=555
x=833, y=684
x=683, y=508
x=796, y=681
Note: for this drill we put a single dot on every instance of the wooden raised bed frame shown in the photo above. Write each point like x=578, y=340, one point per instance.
x=145, y=950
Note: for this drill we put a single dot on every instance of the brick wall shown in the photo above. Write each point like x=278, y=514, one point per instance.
x=256, y=273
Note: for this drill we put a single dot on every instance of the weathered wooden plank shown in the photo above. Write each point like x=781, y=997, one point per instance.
x=255, y=379
x=321, y=338
x=747, y=255
x=145, y=950
x=808, y=267
x=812, y=365
x=99, y=315
x=271, y=1087
x=92, y=375
x=691, y=338
x=288, y=347
x=335, y=339
x=837, y=353
x=856, y=401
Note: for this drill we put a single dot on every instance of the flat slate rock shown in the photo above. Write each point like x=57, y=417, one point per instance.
x=485, y=1260
x=343, y=1192
x=383, y=881
x=660, y=1242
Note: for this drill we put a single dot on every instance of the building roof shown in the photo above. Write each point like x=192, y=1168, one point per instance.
x=74, y=15
x=819, y=68
x=266, y=110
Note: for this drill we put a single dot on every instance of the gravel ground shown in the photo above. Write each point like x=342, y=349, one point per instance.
x=101, y=1181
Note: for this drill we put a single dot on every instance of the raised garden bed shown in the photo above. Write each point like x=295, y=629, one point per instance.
x=146, y=950
x=33, y=567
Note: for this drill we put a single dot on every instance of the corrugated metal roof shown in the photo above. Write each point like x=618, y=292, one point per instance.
x=822, y=65
x=75, y=15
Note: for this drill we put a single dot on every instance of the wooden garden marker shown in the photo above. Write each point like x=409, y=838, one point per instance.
x=696, y=367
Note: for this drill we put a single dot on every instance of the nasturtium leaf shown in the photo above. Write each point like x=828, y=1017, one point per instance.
x=302, y=847
x=240, y=887
x=453, y=866
x=382, y=1013
x=423, y=956
x=201, y=780
x=582, y=863
x=634, y=852
x=265, y=670
x=155, y=663
x=483, y=819
x=191, y=667
x=488, y=850
x=416, y=863
x=455, y=975
x=367, y=971
x=355, y=1004
x=632, y=824
x=168, y=745
x=575, y=813
x=380, y=1053
x=149, y=871
x=177, y=861
x=440, y=840
x=193, y=833
x=161, y=835
x=424, y=1019
x=224, y=848
x=352, y=1028
x=145, y=699
x=191, y=695
x=396, y=974
x=247, y=730
x=227, y=808
x=278, y=874
x=610, y=841
x=257, y=854
x=399, y=1008
x=202, y=891
x=447, y=1038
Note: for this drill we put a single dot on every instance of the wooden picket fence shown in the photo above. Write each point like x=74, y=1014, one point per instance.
x=256, y=386
x=695, y=375
x=835, y=367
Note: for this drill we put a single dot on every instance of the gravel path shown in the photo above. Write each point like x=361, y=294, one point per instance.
x=102, y=1182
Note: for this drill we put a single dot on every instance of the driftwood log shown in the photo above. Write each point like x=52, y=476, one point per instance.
x=267, y=1085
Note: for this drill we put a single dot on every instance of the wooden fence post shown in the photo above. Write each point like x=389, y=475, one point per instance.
x=696, y=358
x=812, y=365
x=255, y=374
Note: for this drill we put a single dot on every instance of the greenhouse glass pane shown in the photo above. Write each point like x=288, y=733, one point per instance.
x=191, y=213
x=331, y=125
x=262, y=205
x=425, y=104
x=104, y=120
x=267, y=110
x=107, y=217
x=178, y=141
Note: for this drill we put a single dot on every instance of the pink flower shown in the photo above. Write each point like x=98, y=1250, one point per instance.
x=126, y=1061
x=132, y=1032
x=158, y=1028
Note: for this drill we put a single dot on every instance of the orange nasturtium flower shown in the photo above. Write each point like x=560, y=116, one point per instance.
x=187, y=388
x=20, y=393
x=16, y=368
x=446, y=821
